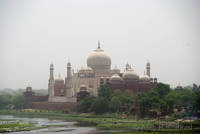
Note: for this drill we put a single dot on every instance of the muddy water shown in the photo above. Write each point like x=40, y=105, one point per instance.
x=55, y=126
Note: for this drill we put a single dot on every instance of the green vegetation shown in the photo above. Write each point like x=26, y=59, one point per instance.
x=166, y=132
x=106, y=101
x=105, y=121
x=122, y=110
x=84, y=106
x=160, y=101
x=12, y=102
x=15, y=126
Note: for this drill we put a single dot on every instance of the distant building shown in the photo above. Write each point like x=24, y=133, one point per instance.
x=97, y=72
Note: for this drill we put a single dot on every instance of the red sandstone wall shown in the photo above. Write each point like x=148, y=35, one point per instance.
x=36, y=98
x=134, y=87
x=59, y=90
x=146, y=87
x=65, y=106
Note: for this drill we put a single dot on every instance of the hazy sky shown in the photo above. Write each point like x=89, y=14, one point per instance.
x=34, y=33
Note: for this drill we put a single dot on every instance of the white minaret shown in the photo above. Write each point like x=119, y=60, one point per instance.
x=148, y=69
x=69, y=80
x=69, y=71
x=99, y=47
x=51, y=83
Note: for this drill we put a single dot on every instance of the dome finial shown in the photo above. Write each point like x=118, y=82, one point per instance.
x=99, y=44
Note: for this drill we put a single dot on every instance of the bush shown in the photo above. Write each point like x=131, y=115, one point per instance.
x=115, y=104
x=84, y=106
x=100, y=105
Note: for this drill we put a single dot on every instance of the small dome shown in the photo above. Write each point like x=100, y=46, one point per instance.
x=144, y=78
x=82, y=70
x=98, y=58
x=115, y=77
x=116, y=70
x=59, y=79
x=130, y=75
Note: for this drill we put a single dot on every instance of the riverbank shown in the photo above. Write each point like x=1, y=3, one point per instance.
x=105, y=121
x=13, y=125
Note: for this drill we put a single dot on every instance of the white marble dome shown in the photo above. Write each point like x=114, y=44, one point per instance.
x=82, y=70
x=116, y=70
x=144, y=78
x=98, y=58
x=130, y=75
x=59, y=79
x=115, y=77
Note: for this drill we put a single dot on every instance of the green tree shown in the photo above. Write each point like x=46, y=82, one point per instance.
x=104, y=92
x=19, y=101
x=4, y=101
x=196, y=100
x=119, y=99
x=100, y=105
x=196, y=88
x=115, y=104
x=162, y=89
x=153, y=100
x=84, y=106
x=173, y=98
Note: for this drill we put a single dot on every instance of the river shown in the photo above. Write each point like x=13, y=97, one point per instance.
x=55, y=126
x=60, y=127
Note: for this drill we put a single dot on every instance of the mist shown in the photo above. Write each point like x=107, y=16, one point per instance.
x=34, y=33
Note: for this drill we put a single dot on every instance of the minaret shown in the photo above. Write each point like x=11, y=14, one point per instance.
x=148, y=69
x=51, y=83
x=99, y=45
x=69, y=80
x=69, y=71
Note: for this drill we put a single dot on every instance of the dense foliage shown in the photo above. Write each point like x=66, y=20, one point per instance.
x=160, y=101
x=84, y=106
x=12, y=102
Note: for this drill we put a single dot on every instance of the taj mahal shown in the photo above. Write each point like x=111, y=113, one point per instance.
x=97, y=72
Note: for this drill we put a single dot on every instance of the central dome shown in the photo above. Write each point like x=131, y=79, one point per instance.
x=98, y=59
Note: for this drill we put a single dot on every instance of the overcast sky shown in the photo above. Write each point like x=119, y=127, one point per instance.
x=34, y=33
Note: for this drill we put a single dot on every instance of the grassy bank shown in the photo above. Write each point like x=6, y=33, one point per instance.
x=10, y=126
x=106, y=121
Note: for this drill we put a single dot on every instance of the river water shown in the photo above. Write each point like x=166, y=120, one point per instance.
x=55, y=126
x=58, y=126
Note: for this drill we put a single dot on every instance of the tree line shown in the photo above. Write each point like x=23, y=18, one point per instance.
x=160, y=101
x=12, y=101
